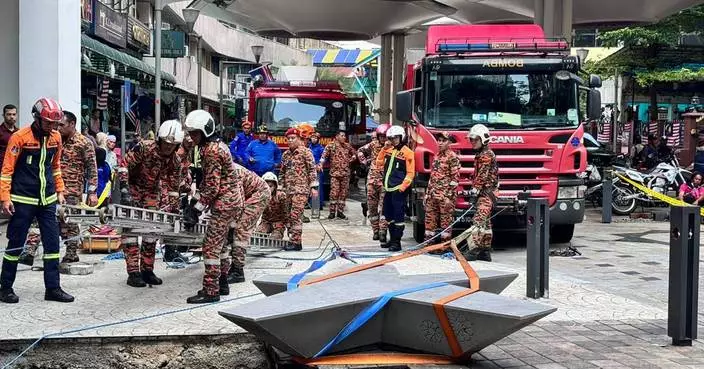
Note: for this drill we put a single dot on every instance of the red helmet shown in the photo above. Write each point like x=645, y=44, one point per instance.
x=48, y=109
x=382, y=128
x=246, y=124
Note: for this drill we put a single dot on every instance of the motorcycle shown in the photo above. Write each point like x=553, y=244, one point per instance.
x=664, y=177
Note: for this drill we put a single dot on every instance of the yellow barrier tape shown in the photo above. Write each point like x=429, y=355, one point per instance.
x=654, y=194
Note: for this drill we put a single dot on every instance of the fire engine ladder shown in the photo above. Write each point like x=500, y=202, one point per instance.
x=263, y=243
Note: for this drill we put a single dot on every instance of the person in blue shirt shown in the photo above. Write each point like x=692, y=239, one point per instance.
x=316, y=147
x=262, y=155
x=239, y=144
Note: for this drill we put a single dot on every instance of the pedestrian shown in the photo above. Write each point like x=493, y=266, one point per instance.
x=239, y=144
x=221, y=192
x=113, y=153
x=341, y=155
x=105, y=173
x=274, y=216
x=256, y=197
x=440, y=196
x=485, y=187
x=7, y=128
x=298, y=180
x=398, y=164
x=30, y=186
x=367, y=155
x=148, y=167
x=692, y=192
x=316, y=147
x=262, y=155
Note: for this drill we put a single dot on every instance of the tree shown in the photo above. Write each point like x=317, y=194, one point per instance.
x=650, y=40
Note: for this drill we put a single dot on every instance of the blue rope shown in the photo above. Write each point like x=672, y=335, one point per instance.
x=132, y=320
x=368, y=313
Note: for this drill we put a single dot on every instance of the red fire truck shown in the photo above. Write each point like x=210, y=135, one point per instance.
x=324, y=105
x=525, y=88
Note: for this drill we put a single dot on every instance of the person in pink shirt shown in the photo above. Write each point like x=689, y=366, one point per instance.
x=693, y=192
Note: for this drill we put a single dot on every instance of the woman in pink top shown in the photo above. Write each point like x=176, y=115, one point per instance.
x=693, y=193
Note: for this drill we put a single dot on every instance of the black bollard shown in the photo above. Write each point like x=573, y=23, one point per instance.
x=538, y=247
x=683, y=291
x=607, y=188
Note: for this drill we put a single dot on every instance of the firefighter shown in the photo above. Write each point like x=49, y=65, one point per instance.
x=30, y=186
x=441, y=194
x=274, y=216
x=78, y=169
x=222, y=193
x=171, y=199
x=256, y=197
x=367, y=155
x=298, y=180
x=398, y=165
x=147, y=168
x=485, y=187
x=341, y=155
x=239, y=144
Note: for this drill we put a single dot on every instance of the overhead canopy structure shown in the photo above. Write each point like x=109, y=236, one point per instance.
x=366, y=19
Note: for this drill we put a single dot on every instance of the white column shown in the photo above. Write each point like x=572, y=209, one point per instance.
x=385, y=78
x=9, y=49
x=539, y=12
x=49, y=54
x=567, y=9
x=399, y=67
x=549, y=16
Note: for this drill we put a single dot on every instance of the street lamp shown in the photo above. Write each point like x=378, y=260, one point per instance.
x=190, y=15
x=257, y=50
x=582, y=55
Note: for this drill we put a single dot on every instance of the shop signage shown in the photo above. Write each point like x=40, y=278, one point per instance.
x=86, y=13
x=173, y=44
x=109, y=25
x=138, y=35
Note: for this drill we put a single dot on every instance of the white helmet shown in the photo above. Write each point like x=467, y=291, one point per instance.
x=171, y=132
x=270, y=177
x=200, y=120
x=395, y=131
x=479, y=130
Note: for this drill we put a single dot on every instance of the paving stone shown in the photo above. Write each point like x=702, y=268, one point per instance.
x=509, y=363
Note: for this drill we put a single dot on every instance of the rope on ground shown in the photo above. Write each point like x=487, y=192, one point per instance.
x=131, y=320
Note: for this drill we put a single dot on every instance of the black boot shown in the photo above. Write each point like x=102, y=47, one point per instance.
x=394, y=246
x=375, y=237
x=7, y=295
x=26, y=259
x=58, y=295
x=202, y=298
x=170, y=254
x=135, y=280
x=236, y=275
x=224, y=287
x=382, y=240
x=478, y=254
x=305, y=219
x=331, y=216
x=149, y=278
x=484, y=255
x=69, y=259
x=341, y=215
x=293, y=247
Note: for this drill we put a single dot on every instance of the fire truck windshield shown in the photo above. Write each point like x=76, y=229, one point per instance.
x=500, y=101
x=280, y=113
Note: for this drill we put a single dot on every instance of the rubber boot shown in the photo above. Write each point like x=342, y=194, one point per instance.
x=149, y=278
x=305, y=219
x=382, y=239
x=293, y=246
x=396, y=233
x=224, y=287
x=7, y=295
x=135, y=280
x=67, y=259
x=331, y=216
x=58, y=295
x=236, y=275
x=478, y=254
x=375, y=237
x=484, y=255
x=202, y=298
x=341, y=215
x=26, y=259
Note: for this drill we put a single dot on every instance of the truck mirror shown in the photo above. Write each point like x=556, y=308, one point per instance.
x=404, y=106
x=594, y=81
x=594, y=104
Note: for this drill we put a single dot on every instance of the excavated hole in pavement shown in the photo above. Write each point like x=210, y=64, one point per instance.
x=240, y=351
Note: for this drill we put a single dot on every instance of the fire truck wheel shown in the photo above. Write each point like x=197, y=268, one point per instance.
x=561, y=233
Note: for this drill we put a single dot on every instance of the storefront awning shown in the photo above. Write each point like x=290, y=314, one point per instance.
x=126, y=65
x=343, y=57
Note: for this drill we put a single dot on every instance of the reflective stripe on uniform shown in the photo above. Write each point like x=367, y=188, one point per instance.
x=11, y=258
x=211, y=261
x=52, y=256
x=388, y=172
x=42, y=172
x=6, y=178
x=173, y=194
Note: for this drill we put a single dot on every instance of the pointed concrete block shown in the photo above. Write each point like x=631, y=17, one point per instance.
x=301, y=322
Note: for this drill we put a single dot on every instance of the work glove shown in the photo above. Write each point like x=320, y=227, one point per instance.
x=125, y=197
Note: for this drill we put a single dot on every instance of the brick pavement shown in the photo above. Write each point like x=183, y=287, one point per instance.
x=611, y=301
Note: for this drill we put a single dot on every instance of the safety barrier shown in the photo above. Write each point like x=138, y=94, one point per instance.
x=537, y=247
x=683, y=293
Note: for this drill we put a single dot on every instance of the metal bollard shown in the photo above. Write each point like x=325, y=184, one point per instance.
x=538, y=247
x=683, y=291
x=607, y=188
